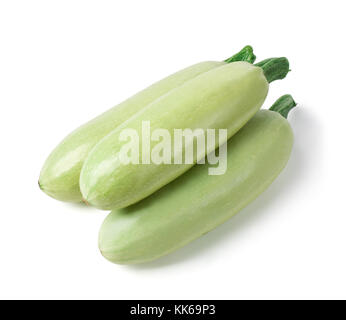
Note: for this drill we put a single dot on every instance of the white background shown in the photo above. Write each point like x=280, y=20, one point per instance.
x=64, y=62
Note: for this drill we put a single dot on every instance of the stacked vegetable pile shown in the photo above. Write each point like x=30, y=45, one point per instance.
x=158, y=208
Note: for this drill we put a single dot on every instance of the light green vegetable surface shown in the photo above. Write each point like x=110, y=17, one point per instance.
x=196, y=202
x=222, y=98
x=160, y=207
x=59, y=176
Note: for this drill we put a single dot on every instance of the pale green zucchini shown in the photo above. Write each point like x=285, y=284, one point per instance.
x=59, y=177
x=222, y=98
x=196, y=202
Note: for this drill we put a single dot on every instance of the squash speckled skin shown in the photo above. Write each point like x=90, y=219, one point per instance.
x=196, y=203
x=59, y=176
x=223, y=98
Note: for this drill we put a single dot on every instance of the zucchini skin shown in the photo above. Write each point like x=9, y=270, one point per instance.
x=196, y=203
x=223, y=98
x=59, y=177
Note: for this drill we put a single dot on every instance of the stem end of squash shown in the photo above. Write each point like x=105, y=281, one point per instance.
x=283, y=105
x=275, y=68
x=246, y=54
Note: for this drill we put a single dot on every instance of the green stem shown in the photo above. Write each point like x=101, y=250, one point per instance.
x=274, y=68
x=283, y=105
x=262, y=63
x=245, y=54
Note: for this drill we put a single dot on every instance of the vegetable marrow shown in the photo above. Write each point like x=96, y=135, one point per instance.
x=196, y=203
x=222, y=98
x=59, y=177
